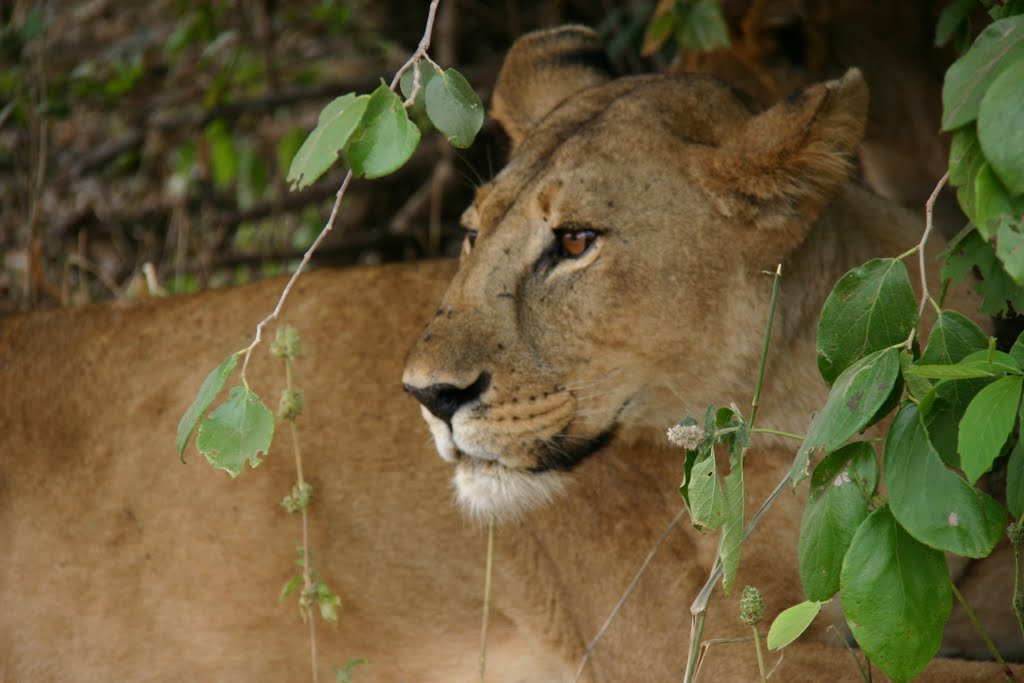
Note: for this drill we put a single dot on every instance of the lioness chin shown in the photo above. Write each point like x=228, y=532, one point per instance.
x=610, y=280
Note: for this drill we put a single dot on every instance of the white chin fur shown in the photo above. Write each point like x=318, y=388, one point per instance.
x=485, y=489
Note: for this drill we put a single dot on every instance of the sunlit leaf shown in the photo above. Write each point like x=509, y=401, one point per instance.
x=707, y=503
x=208, y=390
x=896, y=596
x=791, y=623
x=454, y=107
x=238, y=430
x=338, y=121
x=385, y=138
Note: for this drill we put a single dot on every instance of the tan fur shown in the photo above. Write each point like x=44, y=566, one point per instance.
x=123, y=564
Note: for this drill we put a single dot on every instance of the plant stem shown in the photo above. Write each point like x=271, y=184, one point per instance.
x=699, y=608
x=776, y=432
x=929, y=225
x=981, y=630
x=307, y=572
x=487, y=598
x=760, y=653
x=629, y=590
x=776, y=282
x=1018, y=598
x=421, y=51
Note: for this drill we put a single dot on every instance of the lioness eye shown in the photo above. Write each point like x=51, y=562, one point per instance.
x=574, y=242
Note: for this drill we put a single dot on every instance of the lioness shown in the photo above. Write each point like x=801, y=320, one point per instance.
x=609, y=281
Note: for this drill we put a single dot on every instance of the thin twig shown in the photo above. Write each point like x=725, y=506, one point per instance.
x=1018, y=600
x=929, y=224
x=776, y=282
x=1007, y=671
x=307, y=572
x=295, y=276
x=421, y=52
x=629, y=590
x=485, y=619
x=699, y=608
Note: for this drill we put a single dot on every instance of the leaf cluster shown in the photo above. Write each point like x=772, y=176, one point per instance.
x=374, y=132
x=957, y=405
x=713, y=500
x=983, y=108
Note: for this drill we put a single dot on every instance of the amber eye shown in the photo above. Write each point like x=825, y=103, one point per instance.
x=574, y=242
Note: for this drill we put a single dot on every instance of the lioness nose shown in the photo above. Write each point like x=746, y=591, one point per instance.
x=443, y=400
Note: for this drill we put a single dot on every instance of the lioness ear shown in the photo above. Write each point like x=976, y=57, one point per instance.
x=782, y=167
x=542, y=69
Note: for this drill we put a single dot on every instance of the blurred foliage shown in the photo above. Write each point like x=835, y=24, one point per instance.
x=983, y=108
x=144, y=147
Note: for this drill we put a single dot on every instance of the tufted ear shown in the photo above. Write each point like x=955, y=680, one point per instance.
x=781, y=168
x=541, y=70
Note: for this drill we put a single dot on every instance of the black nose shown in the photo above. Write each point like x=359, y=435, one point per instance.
x=444, y=399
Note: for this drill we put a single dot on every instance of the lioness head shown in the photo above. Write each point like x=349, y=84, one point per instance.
x=597, y=264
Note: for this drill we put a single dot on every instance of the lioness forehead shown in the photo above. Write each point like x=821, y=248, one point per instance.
x=623, y=116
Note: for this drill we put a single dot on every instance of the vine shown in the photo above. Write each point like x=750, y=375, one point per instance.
x=375, y=136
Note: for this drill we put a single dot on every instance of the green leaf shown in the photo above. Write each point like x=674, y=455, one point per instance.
x=870, y=308
x=791, y=623
x=337, y=122
x=965, y=160
x=933, y=504
x=702, y=27
x=992, y=201
x=987, y=424
x=919, y=388
x=953, y=372
x=1001, y=123
x=952, y=19
x=732, y=529
x=454, y=108
x=969, y=77
x=1017, y=350
x=976, y=364
x=1010, y=246
x=344, y=673
x=896, y=596
x=238, y=430
x=952, y=338
x=841, y=489
x=385, y=139
x=971, y=252
x=287, y=147
x=707, y=502
x=208, y=391
x=223, y=159
x=852, y=406
x=1015, y=481
x=659, y=29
